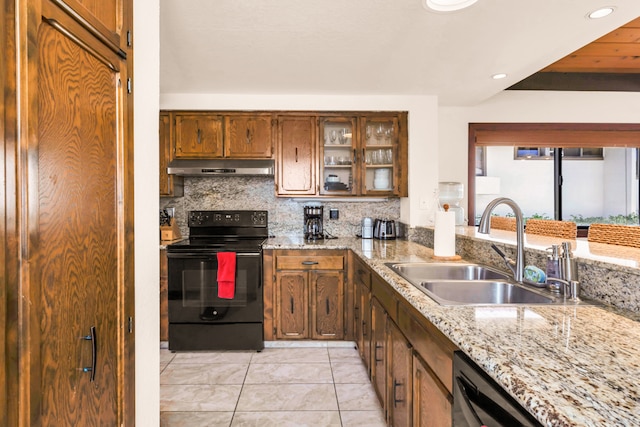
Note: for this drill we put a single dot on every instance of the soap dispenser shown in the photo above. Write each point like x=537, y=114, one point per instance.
x=553, y=267
x=568, y=265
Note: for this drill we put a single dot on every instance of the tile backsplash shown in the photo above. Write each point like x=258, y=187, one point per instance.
x=285, y=214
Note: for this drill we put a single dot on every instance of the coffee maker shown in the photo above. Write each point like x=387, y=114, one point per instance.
x=313, y=222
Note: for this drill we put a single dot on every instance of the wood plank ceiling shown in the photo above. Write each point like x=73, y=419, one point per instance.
x=610, y=63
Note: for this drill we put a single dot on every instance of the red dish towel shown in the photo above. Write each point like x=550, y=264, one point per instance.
x=226, y=275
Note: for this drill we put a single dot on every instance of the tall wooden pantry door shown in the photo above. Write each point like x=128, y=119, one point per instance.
x=75, y=328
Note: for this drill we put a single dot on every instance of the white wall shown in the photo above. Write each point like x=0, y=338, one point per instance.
x=423, y=146
x=146, y=87
x=525, y=106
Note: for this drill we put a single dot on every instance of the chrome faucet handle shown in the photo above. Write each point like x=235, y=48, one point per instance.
x=570, y=288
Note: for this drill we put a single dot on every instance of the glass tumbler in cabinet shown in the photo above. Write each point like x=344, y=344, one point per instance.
x=338, y=154
x=380, y=145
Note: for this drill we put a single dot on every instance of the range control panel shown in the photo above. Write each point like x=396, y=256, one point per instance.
x=230, y=218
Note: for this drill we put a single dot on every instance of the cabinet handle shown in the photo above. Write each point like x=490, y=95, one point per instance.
x=327, y=303
x=94, y=349
x=364, y=157
x=309, y=262
x=199, y=137
x=296, y=154
x=354, y=156
x=291, y=305
x=364, y=328
x=375, y=353
x=248, y=136
x=396, y=384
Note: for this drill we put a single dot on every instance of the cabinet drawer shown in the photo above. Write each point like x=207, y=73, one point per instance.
x=433, y=347
x=383, y=293
x=361, y=273
x=309, y=262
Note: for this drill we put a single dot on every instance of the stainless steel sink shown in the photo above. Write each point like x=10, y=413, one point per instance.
x=472, y=284
x=416, y=272
x=480, y=292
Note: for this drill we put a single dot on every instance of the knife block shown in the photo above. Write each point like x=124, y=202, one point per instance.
x=170, y=232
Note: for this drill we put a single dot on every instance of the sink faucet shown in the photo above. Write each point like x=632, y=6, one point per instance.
x=485, y=226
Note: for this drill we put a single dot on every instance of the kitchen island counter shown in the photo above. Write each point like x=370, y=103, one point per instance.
x=567, y=365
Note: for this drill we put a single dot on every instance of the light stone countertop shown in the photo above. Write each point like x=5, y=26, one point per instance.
x=567, y=365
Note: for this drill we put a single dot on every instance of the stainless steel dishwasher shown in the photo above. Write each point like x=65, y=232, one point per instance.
x=478, y=401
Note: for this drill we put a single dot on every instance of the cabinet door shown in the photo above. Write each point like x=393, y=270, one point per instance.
x=327, y=304
x=400, y=377
x=338, y=155
x=198, y=136
x=378, y=350
x=102, y=18
x=77, y=351
x=170, y=185
x=292, y=310
x=164, y=296
x=248, y=136
x=431, y=400
x=365, y=304
x=296, y=155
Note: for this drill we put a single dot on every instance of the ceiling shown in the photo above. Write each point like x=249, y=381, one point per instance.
x=380, y=47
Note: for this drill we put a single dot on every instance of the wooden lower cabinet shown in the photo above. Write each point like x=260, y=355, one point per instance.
x=292, y=304
x=410, y=361
x=431, y=400
x=304, y=296
x=164, y=296
x=362, y=316
x=400, y=367
x=379, y=350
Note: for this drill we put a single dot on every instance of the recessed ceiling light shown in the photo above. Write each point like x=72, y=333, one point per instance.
x=601, y=13
x=448, y=5
x=499, y=76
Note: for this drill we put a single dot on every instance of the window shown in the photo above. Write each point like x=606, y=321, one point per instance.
x=603, y=188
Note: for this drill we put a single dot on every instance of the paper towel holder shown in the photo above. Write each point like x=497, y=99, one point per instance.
x=446, y=258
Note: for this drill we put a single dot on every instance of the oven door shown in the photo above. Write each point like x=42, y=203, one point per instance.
x=193, y=289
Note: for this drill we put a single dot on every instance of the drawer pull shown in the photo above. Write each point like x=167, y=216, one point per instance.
x=309, y=262
x=327, y=301
x=291, y=305
x=396, y=384
x=375, y=356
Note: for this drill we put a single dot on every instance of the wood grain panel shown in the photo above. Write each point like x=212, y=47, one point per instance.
x=164, y=296
x=431, y=401
x=103, y=18
x=198, y=136
x=327, y=289
x=309, y=262
x=379, y=350
x=76, y=261
x=297, y=164
x=248, y=136
x=292, y=305
x=400, y=378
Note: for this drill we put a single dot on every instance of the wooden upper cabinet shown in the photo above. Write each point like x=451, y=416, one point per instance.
x=296, y=159
x=248, y=136
x=198, y=136
x=170, y=185
x=103, y=19
x=383, y=155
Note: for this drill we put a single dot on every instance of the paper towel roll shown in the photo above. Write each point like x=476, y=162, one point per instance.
x=444, y=240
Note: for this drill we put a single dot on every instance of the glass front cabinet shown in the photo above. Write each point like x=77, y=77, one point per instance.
x=363, y=155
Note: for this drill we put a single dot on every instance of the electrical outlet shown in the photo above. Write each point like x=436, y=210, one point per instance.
x=171, y=212
x=334, y=214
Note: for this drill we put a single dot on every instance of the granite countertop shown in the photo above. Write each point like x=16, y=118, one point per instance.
x=567, y=365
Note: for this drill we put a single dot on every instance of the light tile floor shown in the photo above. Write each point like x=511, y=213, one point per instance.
x=279, y=387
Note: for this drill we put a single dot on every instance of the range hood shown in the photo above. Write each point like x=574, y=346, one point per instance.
x=221, y=167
